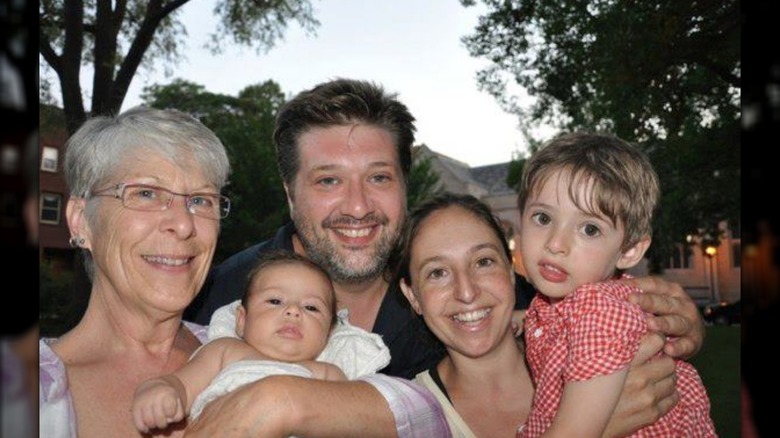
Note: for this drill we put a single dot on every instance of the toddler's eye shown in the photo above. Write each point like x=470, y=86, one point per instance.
x=591, y=230
x=541, y=218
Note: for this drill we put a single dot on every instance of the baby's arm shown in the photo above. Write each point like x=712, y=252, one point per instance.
x=586, y=406
x=324, y=370
x=161, y=401
x=158, y=402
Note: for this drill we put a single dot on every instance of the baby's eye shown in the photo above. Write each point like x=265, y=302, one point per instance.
x=274, y=301
x=591, y=230
x=311, y=308
x=541, y=218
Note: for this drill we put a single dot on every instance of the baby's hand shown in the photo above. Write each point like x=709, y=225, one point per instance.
x=156, y=405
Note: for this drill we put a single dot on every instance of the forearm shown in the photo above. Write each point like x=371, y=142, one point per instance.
x=649, y=390
x=344, y=409
x=379, y=406
x=280, y=406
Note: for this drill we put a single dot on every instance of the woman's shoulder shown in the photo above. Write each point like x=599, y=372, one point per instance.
x=53, y=381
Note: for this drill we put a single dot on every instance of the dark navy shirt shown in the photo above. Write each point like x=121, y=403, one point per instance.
x=413, y=348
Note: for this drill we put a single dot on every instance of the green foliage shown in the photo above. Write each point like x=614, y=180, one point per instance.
x=245, y=125
x=115, y=39
x=663, y=74
x=55, y=300
x=423, y=183
x=515, y=173
x=718, y=364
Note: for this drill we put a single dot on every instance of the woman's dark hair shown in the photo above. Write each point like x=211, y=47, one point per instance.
x=402, y=255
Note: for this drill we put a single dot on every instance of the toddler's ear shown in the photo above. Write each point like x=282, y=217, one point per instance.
x=633, y=255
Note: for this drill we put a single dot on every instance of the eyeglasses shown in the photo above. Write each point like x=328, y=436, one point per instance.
x=144, y=197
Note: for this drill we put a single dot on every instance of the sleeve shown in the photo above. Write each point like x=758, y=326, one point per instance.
x=604, y=333
x=416, y=411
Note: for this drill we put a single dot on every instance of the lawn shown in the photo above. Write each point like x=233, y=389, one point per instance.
x=718, y=364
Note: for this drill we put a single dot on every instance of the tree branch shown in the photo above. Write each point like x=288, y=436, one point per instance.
x=143, y=39
x=45, y=49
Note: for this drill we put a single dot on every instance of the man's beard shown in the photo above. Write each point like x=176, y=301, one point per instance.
x=323, y=251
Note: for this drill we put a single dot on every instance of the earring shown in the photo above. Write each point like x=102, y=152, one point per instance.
x=76, y=242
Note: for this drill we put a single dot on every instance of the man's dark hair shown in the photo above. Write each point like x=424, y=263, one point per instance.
x=341, y=102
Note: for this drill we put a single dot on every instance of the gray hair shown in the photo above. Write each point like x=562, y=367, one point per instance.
x=95, y=152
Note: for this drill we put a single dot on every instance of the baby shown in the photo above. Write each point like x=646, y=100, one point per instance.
x=284, y=320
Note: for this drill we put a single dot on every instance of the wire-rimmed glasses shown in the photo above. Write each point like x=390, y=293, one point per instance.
x=145, y=197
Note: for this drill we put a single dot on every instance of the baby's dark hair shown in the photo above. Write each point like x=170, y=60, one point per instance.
x=285, y=257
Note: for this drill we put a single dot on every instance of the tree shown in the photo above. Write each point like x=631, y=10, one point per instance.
x=423, y=182
x=116, y=38
x=661, y=73
x=245, y=125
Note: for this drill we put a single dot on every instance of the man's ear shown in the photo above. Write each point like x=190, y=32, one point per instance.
x=633, y=255
x=77, y=222
x=409, y=294
x=240, y=320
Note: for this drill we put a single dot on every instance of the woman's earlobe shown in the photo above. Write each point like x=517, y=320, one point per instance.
x=409, y=294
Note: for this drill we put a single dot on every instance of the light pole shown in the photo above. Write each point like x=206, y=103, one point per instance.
x=712, y=252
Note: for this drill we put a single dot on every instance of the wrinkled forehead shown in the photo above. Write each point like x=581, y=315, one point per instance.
x=153, y=161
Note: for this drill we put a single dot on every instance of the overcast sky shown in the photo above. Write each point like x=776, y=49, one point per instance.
x=411, y=47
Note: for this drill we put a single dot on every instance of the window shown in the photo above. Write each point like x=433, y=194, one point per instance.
x=680, y=258
x=50, y=159
x=51, y=204
x=736, y=255
x=736, y=229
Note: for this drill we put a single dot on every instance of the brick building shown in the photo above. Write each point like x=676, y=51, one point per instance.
x=53, y=229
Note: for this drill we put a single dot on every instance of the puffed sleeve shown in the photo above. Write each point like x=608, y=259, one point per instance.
x=416, y=411
x=605, y=333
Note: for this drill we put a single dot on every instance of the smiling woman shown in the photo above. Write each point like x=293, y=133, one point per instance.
x=146, y=264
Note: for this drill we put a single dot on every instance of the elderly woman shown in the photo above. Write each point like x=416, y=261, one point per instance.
x=145, y=211
x=464, y=290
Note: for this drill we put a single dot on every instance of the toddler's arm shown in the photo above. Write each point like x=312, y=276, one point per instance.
x=586, y=406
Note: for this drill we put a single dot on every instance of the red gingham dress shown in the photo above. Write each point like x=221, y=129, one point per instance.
x=592, y=332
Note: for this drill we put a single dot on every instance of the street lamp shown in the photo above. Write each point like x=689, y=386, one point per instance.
x=712, y=252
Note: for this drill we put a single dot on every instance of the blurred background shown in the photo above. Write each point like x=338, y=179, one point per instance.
x=761, y=254
x=19, y=157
